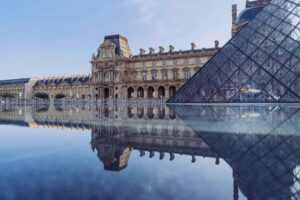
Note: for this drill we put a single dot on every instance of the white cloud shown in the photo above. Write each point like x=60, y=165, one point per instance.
x=146, y=9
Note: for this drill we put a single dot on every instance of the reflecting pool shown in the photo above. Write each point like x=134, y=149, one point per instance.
x=150, y=152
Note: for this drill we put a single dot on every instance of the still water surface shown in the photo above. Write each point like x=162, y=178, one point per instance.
x=135, y=152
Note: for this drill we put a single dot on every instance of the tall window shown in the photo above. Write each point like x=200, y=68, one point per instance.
x=164, y=62
x=174, y=62
x=154, y=75
x=186, y=73
x=153, y=64
x=175, y=74
x=144, y=64
x=134, y=76
x=186, y=61
x=164, y=74
x=106, y=77
x=144, y=76
x=198, y=60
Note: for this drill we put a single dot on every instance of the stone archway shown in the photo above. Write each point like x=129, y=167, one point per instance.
x=172, y=91
x=161, y=92
x=130, y=93
x=150, y=92
x=140, y=93
x=106, y=93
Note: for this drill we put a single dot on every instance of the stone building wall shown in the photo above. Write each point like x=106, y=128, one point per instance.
x=116, y=74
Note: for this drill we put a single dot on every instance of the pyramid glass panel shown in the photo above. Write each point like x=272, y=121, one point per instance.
x=261, y=63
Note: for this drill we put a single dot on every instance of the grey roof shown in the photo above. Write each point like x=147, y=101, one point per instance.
x=115, y=39
x=60, y=80
x=15, y=81
x=248, y=14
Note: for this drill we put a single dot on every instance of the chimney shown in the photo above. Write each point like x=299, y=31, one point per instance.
x=234, y=13
x=216, y=44
x=193, y=46
x=171, y=48
x=161, y=49
x=142, y=51
x=151, y=50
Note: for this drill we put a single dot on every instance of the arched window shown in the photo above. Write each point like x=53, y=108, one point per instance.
x=130, y=93
x=150, y=93
x=172, y=91
x=140, y=92
x=161, y=92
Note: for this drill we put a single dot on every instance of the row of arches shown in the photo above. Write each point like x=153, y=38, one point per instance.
x=150, y=92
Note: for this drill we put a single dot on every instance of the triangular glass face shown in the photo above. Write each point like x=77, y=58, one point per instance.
x=261, y=63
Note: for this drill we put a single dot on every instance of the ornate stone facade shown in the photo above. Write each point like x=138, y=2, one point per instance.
x=117, y=74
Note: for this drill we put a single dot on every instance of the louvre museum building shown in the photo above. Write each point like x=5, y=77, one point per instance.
x=260, y=63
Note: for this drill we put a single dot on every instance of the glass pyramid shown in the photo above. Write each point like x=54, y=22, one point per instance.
x=261, y=63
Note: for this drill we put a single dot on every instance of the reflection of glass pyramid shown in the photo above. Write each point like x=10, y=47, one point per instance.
x=261, y=63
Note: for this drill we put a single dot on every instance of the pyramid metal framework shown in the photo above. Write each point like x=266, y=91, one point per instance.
x=261, y=63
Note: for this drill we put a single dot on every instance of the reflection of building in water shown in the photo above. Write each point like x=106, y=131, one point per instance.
x=261, y=144
x=114, y=143
x=265, y=159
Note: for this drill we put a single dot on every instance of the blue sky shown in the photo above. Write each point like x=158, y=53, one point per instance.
x=58, y=37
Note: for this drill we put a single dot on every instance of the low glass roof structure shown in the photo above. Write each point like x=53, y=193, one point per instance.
x=259, y=64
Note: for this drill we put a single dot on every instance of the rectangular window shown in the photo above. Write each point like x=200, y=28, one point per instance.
x=164, y=62
x=175, y=75
x=186, y=73
x=134, y=76
x=198, y=61
x=164, y=75
x=174, y=62
x=153, y=63
x=144, y=64
x=186, y=61
x=144, y=76
x=154, y=75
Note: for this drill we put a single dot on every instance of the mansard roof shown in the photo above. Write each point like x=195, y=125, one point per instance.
x=57, y=81
x=261, y=63
x=15, y=81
